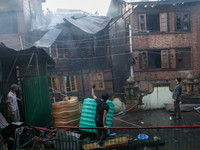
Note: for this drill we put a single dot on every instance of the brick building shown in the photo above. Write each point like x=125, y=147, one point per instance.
x=165, y=37
x=80, y=48
x=17, y=18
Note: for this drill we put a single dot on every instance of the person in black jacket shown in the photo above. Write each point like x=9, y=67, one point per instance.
x=177, y=98
x=100, y=117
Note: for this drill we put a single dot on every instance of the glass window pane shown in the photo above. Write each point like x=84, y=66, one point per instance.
x=73, y=88
x=163, y=20
x=100, y=85
x=99, y=77
x=185, y=19
x=185, y=15
x=162, y=15
x=163, y=28
x=68, y=84
x=94, y=78
x=179, y=60
x=179, y=64
x=163, y=24
x=72, y=78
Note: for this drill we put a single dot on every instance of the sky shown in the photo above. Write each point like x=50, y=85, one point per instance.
x=90, y=6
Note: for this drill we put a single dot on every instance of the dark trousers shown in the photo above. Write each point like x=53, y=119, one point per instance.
x=177, y=109
x=101, y=133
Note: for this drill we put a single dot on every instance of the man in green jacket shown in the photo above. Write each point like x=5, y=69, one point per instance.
x=177, y=98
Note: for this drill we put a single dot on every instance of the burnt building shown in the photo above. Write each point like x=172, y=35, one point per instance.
x=80, y=48
x=165, y=41
x=17, y=19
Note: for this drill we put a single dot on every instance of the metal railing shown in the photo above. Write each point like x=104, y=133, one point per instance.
x=122, y=138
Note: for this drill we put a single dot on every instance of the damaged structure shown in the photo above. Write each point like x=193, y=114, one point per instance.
x=27, y=68
x=80, y=48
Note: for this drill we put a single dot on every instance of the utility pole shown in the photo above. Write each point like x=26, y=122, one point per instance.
x=131, y=49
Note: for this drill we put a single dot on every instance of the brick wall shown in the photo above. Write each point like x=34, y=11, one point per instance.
x=159, y=41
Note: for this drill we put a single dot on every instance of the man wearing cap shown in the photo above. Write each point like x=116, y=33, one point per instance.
x=12, y=104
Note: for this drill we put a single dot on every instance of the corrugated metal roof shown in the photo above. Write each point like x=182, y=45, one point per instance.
x=49, y=38
x=8, y=55
x=90, y=24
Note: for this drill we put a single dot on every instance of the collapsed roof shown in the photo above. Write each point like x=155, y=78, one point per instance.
x=89, y=24
x=22, y=57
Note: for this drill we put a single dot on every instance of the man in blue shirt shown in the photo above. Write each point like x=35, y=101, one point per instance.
x=177, y=98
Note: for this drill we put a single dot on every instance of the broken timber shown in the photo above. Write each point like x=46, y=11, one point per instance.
x=109, y=143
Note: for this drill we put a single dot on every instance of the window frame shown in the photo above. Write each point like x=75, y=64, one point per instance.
x=172, y=50
x=182, y=14
x=160, y=21
x=75, y=83
x=162, y=59
x=165, y=22
x=169, y=58
x=183, y=62
x=144, y=68
x=58, y=84
x=97, y=81
x=145, y=23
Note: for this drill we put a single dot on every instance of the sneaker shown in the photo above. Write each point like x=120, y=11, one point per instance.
x=98, y=146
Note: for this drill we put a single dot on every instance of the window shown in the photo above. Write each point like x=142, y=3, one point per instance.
x=183, y=59
x=144, y=60
x=142, y=22
x=8, y=22
x=153, y=22
x=174, y=58
x=70, y=83
x=127, y=22
x=63, y=84
x=55, y=84
x=182, y=21
x=163, y=22
x=97, y=79
x=164, y=58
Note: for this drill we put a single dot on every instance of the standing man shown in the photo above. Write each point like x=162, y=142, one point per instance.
x=12, y=104
x=177, y=98
x=100, y=118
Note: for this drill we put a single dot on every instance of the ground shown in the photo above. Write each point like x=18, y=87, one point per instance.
x=159, y=117
x=174, y=138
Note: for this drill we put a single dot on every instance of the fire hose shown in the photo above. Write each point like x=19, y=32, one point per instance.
x=127, y=109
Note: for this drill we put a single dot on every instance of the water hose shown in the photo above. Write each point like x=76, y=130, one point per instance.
x=127, y=109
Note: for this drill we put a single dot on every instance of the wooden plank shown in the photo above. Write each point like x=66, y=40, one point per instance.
x=113, y=142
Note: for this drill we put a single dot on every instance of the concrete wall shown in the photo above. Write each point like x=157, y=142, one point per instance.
x=159, y=96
